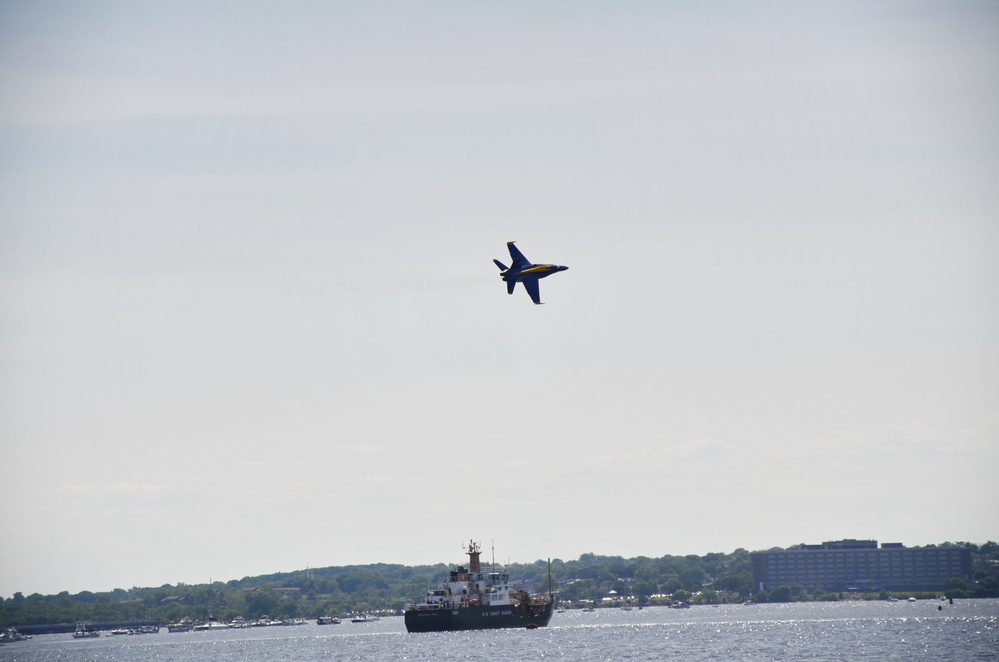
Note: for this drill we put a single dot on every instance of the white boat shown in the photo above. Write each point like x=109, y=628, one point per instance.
x=145, y=629
x=265, y=621
x=10, y=634
x=83, y=633
x=183, y=625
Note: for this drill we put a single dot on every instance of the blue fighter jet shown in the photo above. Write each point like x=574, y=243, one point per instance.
x=522, y=270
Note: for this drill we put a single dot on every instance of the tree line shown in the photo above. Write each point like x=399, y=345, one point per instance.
x=340, y=590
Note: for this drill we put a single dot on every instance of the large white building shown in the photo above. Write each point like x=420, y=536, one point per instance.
x=860, y=565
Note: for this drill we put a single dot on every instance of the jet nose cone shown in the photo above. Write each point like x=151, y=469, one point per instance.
x=563, y=268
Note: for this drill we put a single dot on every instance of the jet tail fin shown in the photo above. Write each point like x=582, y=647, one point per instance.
x=500, y=265
x=510, y=284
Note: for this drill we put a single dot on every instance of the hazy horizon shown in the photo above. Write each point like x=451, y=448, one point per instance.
x=249, y=319
x=463, y=560
x=453, y=562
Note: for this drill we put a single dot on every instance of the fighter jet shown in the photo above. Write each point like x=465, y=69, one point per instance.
x=523, y=271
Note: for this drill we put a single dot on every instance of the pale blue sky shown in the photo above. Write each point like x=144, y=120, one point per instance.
x=249, y=319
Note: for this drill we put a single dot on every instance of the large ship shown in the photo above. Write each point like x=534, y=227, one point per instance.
x=471, y=599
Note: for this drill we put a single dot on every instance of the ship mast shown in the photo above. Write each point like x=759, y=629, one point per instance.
x=551, y=595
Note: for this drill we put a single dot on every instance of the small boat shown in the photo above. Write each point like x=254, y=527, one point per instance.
x=10, y=634
x=327, y=620
x=83, y=633
x=145, y=629
x=265, y=621
x=211, y=624
x=183, y=625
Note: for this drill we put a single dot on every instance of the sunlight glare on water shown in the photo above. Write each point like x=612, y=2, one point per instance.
x=966, y=630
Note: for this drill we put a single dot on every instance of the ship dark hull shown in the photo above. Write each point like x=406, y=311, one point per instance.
x=477, y=618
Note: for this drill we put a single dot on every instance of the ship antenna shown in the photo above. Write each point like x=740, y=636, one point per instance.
x=492, y=544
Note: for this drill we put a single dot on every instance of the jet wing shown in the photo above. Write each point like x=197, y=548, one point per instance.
x=531, y=285
x=519, y=261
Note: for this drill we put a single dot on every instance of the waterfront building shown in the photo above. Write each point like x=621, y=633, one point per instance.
x=860, y=565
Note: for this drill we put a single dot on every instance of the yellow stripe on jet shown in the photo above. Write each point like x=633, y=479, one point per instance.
x=536, y=270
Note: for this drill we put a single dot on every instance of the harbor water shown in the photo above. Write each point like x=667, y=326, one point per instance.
x=923, y=630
